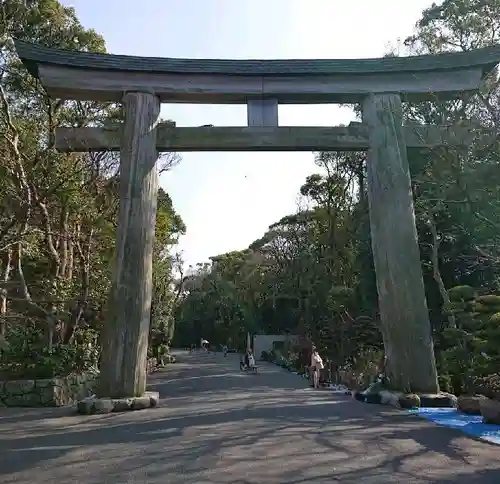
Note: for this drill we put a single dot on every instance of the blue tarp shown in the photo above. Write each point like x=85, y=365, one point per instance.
x=469, y=424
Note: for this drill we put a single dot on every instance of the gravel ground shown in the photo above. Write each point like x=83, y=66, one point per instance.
x=218, y=425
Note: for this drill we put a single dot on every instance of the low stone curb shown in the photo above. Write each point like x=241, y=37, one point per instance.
x=93, y=405
x=490, y=411
x=392, y=398
x=445, y=400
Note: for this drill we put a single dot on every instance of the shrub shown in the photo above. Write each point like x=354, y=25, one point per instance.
x=461, y=293
x=27, y=356
x=409, y=400
x=469, y=355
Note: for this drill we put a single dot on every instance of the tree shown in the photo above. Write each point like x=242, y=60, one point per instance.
x=301, y=276
x=57, y=210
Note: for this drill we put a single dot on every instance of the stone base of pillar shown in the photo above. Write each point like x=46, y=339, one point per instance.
x=426, y=400
x=95, y=405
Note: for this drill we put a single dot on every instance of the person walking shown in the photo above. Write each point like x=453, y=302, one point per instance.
x=316, y=366
x=205, y=345
x=251, y=359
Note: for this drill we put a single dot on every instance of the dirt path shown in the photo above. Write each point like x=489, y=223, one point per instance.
x=218, y=425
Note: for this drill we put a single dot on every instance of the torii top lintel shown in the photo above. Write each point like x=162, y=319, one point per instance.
x=105, y=77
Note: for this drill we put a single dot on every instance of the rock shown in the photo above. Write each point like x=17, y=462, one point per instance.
x=46, y=395
x=103, y=405
x=470, y=404
x=154, y=398
x=152, y=365
x=140, y=403
x=410, y=400
x=373, y=398
x=50, y=392
x=490, y=410
x=91, y=405
x=19, y=387
x=372, y=394
x=85, y=406
x=388, y=397
x=374, y=388
x=122, y=404
x=444, y=400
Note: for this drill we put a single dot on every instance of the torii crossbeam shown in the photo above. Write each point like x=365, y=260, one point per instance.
x=279, y=138
x=379, y=85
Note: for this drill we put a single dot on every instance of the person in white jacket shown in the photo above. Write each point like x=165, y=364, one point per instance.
x=316, y=366
x=251, y=359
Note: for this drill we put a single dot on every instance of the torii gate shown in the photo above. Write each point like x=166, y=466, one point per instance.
x=380, y=85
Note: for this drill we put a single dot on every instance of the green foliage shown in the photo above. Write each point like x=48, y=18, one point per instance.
x=489, y=300
x=278, y=346
x=495, y=319
x=58, y=211
x=265, y=355
x=462, y=294
x=312, y=272
x=470, y=354
x=306, y=275
x=27, y=357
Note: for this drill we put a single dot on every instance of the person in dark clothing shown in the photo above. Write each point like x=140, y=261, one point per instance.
x=243, y=363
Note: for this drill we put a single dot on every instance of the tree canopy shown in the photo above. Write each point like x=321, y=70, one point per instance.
x=58, y=211
x=312, y=272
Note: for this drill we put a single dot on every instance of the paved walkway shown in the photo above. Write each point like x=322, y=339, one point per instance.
x=217, y=425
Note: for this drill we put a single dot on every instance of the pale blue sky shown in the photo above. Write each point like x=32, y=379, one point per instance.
x=227, y=200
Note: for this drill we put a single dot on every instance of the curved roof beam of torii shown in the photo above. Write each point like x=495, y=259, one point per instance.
x=105, y=77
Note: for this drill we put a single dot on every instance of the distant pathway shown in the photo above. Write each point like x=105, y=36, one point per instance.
x=218, y=425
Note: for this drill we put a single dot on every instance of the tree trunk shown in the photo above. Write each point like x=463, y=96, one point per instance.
x=6, y=269
x=64, y=237
x=408, y=343
x=125, y=338
x=452, y=323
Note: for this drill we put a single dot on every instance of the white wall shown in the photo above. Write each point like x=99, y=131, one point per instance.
x=264, y=342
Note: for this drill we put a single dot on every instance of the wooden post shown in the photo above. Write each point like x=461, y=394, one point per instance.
x=404, y=316
x=262, y=113
x=125, y=338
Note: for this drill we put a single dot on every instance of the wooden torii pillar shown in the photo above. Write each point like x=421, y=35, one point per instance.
x=126, y=333
x=380, y=85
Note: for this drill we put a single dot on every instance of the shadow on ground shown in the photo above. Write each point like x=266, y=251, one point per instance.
x=218, y=425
